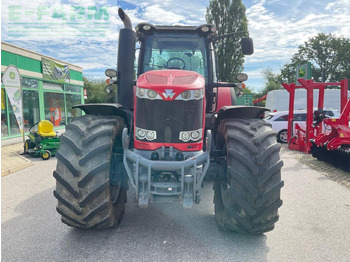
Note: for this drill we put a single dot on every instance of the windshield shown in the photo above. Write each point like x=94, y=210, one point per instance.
x=175, y=51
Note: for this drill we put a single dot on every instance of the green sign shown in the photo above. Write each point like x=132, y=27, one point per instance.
x=55, y=71
x=303, y=71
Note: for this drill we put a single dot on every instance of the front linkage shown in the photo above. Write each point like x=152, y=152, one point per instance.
x=176, y=178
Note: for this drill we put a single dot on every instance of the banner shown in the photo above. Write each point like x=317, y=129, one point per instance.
x=55, y=71
x=13, y=85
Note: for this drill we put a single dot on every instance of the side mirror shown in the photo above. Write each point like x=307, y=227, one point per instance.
x=247, y=46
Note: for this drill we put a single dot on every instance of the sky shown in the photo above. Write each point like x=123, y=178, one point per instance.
x=85, y=33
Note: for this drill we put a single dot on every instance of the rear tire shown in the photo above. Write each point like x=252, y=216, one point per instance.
x=248, y=197
x=28, y=145
x=91, y=182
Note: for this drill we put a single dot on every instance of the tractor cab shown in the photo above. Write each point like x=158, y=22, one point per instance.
x=190, y=48
x=177, y=47
x=186, y=48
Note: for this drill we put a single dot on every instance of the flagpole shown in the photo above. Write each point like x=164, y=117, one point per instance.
x=22, y=98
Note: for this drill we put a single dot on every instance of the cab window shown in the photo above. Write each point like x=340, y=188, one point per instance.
x=175, y=51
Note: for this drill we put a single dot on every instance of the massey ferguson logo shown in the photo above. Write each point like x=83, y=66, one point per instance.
x=168, y=93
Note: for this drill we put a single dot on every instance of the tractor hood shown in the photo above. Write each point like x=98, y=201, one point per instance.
x=169, y=84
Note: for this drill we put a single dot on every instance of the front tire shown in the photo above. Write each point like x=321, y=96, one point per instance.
x=46, y=155
x=248, y=196
x=91, y=183
x=282, y=136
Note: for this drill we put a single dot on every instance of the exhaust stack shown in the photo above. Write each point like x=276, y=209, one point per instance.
x=125, y=18
x=125, y=65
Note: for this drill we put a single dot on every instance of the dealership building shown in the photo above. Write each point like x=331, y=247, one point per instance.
x=50, y=88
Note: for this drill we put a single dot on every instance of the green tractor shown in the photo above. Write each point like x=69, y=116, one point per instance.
x=43, y=142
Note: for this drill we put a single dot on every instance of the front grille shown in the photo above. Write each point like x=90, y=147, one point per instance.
x=169, y=118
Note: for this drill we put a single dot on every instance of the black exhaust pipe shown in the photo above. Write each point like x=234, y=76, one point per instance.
x=125, y=18
x=125, y=65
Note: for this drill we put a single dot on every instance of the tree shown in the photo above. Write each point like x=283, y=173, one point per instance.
x=288, y=73
x=329, y=56
x=228, y=16
x=96, y=91
x=248, y=90
x=344, y=64
x=272, y=81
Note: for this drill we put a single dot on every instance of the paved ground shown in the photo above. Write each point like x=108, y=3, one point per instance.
x=11, y=160
x=314, y=224
x=323, y=168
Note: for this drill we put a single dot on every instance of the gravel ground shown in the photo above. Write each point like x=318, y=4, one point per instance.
x=333, y=173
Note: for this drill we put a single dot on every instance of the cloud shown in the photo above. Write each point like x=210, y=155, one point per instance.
x=90, y=44
x=277, y=27
x=159, y=15
x=169, y=12
x=277, y=37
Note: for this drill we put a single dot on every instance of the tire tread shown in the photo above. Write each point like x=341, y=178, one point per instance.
x=249, y=202
x=82, y=173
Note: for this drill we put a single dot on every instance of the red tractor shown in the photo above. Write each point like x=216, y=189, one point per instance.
x=166, y=133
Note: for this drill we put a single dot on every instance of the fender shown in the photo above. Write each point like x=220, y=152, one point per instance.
x=235, y=112
x=107, y=109
x=240, y=112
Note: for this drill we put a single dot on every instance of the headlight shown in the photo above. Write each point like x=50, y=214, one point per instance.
x=150, y=135
x=191, y=95
x=194, y=135
x=140, y=133
x=151, y=93
x=185, y=136
x=141, y=91
x=146, y=93
x=111, y=73
x=186, y=95
x=197, y=93
x=145, y=134
x=241, y=77
x=205, y=29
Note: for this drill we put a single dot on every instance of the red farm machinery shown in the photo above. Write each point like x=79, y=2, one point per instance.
x=327, y=139
x=171, y=127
